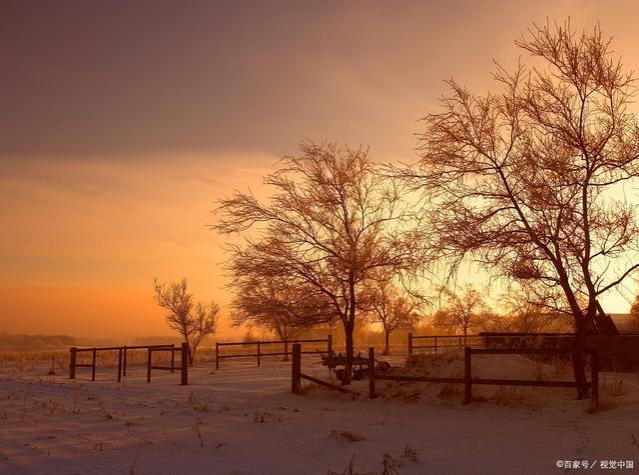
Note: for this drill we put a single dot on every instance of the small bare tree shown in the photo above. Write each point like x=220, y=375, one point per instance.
x=194, y=321
x=387, y=305
x=526, y=311
x=526, y=180
x=462, y=311
x=275, y=304
x=331, y=222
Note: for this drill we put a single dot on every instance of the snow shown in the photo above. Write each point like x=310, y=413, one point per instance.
x=243, y=420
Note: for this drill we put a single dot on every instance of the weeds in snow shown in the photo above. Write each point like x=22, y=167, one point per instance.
x=197, y=405
x=615, y=386
x=390, y=465
x=134, y=462
x=345, y=435
x=403, y=392
x=99, y=447
x=198, y=424
x=76, y=395
x=102, y=406
x=262, y=417
x=350, y=470
x=410, y=454
x=508, y=396
x=448, y=391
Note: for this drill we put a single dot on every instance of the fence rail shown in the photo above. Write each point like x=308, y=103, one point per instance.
x=297, y=376
x=122, y=359
x=469, y=381
x=438, y=342
x=259, y=353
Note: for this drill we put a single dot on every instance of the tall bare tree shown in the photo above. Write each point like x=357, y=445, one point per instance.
x=526, y=181
x=331, y=221
x=194, y=321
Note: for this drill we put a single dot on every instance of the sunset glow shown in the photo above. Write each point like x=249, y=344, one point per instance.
x=124, y=123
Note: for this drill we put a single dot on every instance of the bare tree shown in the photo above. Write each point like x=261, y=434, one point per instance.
x=529, y=312
x=462, y=311
x=275, y=304
x=524, y=180
x=194, y=321
x=331, y=221
x=387, y=305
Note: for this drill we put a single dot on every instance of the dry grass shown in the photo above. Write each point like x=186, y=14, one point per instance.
x=264, y=417
x=510, y=396
x=350, y=470
x=390, y=465
x=449, y=390
x=346, y=436
x=410, y=454
x=198, y=425
x=613, y=385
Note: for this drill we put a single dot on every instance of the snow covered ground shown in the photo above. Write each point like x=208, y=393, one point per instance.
x=244, y=420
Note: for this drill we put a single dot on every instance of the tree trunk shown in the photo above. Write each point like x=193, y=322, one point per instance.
x=578, y=365
x=386, y=343
x=348, y=342
x=191, y=353
x=349, y=326
x=582, y=322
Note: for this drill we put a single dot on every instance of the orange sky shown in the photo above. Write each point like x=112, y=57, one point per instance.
x=122, y=124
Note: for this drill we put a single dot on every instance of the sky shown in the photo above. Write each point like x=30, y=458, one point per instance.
x=124, y=122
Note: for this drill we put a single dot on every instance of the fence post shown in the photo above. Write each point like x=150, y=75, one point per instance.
x=173, y=358
x=435, y=343
x=371, y=373
x=94, y=360
x=258, y=354
x=124, y=364
x=119, y=365
x=285, y=350
x=296, y=368
x=329, y=344
x=185, y=364
x=468, y=396
x=72, y=362
x=217, y=355
x=410, y=344
x=594, y=375
x=148, y=365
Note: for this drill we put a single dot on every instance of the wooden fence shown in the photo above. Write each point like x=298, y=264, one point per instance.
x=297, y=375
x=122, y=359
x=259, y=344
x=469, y=381
x=438, y=342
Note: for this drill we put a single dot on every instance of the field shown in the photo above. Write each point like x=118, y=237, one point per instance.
x=243, y=420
